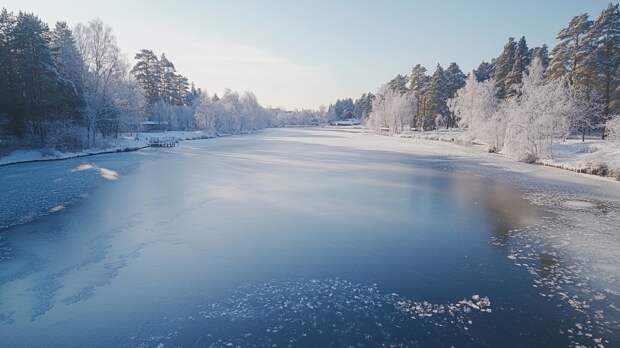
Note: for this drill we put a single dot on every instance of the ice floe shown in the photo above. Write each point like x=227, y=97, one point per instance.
x=330, y=311
x=572, y=255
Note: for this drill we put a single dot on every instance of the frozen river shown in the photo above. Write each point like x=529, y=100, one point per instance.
x=294, y=238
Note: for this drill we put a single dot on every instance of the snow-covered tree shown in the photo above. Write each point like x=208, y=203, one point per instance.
x=128, y=98
x=588, y=111
x=66, y=56
x=399, y=84
x=604, y=37
x=97, y=47
x=303, y=117
x=613, y=128
x=203, y=118
x=231, y=114
x=541, y=53
x=114, y=100
x=475, y=106
x=540, y=115
x=341, y=110
x=485, y=71
x=363, y=106
x=392, y=110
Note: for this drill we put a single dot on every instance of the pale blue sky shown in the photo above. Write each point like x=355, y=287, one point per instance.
x=307, y=53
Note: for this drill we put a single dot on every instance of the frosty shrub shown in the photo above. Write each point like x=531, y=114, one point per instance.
x=612, y=127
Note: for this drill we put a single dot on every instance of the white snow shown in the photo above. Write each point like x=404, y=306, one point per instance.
x=127, y=142
x=594, y=156
x=456, y=143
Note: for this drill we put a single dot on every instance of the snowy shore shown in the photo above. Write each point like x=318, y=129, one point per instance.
x=126, y=143
x=592, y=156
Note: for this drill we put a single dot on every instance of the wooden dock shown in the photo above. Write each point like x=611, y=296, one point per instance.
x=162, y=142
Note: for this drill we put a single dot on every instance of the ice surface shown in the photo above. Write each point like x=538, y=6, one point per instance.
x=415, y=242
x=338, y=311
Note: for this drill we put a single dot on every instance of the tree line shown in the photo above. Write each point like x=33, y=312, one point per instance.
x=72, y=88
x=574, y=91
x=62, y=86
x=585, y=64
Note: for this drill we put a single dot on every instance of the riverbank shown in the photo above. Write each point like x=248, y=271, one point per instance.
x=125, y=143
x=592, y=156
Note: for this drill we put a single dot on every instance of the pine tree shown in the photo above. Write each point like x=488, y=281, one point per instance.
x=194, y=94
x=342, y=109
x=419, y=83
x=485, y=71
x=147, y=72
x=437, y=98
x=167, y=84
x=521, y=62
x=363, y=106
x=66, y=57
x=399, y=84
x=181, y=90
x=8, y=91
x=569, y=56
x=542, y=53
x=503, y=67
x=605, y=56
x=455, y=80
x=42, y=93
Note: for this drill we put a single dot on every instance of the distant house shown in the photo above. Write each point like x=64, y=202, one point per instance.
x=153, y=126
